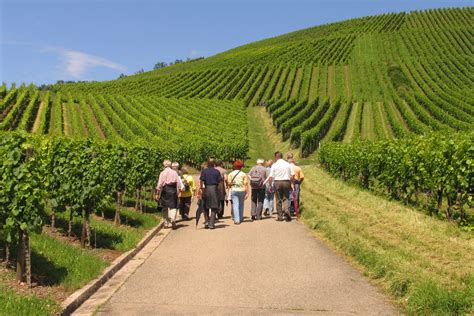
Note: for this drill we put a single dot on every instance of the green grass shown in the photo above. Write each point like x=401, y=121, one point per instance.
x=104, y=234
x=14, y=304
x=427, y=265
x=58, y=263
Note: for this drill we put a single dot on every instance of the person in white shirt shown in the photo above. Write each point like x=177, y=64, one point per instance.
x=282, y=175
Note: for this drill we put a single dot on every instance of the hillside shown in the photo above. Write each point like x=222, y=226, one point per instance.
x=368, y=78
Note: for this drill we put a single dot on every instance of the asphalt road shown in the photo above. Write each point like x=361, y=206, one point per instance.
x=261, y=267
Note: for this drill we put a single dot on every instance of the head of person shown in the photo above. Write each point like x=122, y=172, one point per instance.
x=291, y=160
x=211, y=163
x=269, y=163
x=289, y=155
x=278, y=155
x=184, y=170
x=238, y=164
x=175, y=165
x=260, y=162
x=167, y=163
x=219, y=163
x=204, y=165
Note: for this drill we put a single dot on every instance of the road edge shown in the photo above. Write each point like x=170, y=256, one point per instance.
x=76, y=299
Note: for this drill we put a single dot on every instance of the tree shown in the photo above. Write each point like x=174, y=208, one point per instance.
x=159, y=65
x=122, y=75
x=140, y=71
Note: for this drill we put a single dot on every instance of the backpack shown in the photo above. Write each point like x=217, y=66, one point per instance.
x=256, y=179
x=186, y=185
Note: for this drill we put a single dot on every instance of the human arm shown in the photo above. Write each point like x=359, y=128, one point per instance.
x=247, y=186
x=192, y=185
x=292, y=178
x=158, y=187
x=301, y=176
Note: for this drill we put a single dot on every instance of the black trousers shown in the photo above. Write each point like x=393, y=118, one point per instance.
x=184, y=206
x=282, y=194
x=220, y=213
x=258, y=195
x=210, y=216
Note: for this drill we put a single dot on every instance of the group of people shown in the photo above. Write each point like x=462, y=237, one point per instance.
x=268, y=184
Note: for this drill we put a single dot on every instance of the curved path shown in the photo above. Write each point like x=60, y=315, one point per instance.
x=262, y=267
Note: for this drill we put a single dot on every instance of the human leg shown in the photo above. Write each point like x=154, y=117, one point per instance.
x=164, y=213
x=241, y=205
x=285, y=197
x=260, y=199
x=254, y=203
x=279, y=195
x=212, y=217
x=172, y=216
x=235, y=207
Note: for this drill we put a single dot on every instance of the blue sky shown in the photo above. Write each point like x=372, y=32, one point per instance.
x=43, y=41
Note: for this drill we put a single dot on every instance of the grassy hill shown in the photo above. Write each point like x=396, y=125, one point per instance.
x=368, y=78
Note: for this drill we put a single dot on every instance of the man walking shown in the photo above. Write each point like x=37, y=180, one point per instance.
x=258, y=174
x=282, y=175
x=209, y=182
x=299, y=178
x=168, y=191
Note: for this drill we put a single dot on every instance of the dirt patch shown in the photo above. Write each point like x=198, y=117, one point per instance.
x=7, y=279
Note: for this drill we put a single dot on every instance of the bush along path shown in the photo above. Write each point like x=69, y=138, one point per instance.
x=62, y=204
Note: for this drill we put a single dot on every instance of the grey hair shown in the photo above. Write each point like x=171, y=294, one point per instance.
x=166, y=163
x=175, y=164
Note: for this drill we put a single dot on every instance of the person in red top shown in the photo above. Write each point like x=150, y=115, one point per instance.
x=168, y=190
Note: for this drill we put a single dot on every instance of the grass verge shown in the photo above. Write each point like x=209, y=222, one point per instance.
x=12, y=303
x=427, y=265
x=60, y=266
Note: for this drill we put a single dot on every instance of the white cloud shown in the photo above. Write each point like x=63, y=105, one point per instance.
x=193, y=53
x=76, y=63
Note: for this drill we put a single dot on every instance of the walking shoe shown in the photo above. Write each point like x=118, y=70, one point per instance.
x=173, y=225
x=266, y=212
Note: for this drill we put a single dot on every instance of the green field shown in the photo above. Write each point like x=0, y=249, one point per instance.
x=388, y=100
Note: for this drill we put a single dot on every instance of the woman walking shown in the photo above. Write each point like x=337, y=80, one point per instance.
x=189, y=190
x=238, y=183
x=269, y=192
x=168, y=190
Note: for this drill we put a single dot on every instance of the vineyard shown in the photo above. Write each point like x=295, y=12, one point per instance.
x=371, y=78
x=388, y=100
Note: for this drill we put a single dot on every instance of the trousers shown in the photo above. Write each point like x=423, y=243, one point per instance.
x=258, y=195
x=282, y=195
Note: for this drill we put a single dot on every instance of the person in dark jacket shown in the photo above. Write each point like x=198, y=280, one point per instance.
x=209, y=183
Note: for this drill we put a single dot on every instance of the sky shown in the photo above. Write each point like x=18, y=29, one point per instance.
x=42, y=41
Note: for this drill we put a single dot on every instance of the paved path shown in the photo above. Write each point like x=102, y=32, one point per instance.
x=263, y=267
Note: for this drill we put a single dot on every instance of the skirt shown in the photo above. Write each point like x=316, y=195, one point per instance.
x=169, y=196
x=211, y=196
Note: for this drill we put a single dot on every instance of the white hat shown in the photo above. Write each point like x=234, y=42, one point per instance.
x=259, y=161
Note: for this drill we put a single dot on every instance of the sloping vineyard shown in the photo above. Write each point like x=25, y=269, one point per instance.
x=394, y=74
x=205, y=127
